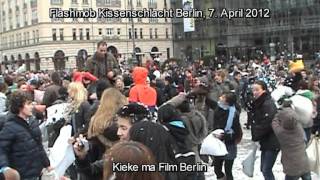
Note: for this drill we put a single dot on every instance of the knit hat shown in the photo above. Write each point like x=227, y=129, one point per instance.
x=306, y=93
x=296, y=66
x=135, y=111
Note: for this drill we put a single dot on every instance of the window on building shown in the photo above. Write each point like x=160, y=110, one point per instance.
x=108, y=19
x=109, y=31
x=85, y=19
x=74, y=19
x=88, y=34
x=139, y=3
x=100, y=31
x=167, y=33
x=130, y=35
x=17, y=39
x=34, y=17
x=34, y=36
x=28, y=38
x=25, y=38
x=135, y=33
x=74, y=1
x=153, y=20
x=150, y=32
x=141, y=33
x=74, y=34
x=139, y=20
x=81, y=34
x=119, y=31
x=56, y=2
x=156, y=33
x=54, y=34
x=37, y=35
x=85, y=2
x=108, y=2
x=61, y=35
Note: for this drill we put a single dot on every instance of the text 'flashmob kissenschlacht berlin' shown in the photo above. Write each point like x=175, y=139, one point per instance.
x=116, y=13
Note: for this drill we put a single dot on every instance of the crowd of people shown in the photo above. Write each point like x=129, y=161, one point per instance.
x=151, y=115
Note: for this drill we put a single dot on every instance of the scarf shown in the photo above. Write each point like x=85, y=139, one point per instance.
x=232, y=109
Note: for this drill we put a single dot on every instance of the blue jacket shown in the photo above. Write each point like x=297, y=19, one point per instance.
x=21, y=150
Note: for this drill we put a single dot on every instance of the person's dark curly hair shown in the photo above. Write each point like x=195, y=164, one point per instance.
x=18, y=100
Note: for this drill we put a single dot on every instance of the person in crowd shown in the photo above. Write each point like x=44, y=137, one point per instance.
x=20, y=140
x=102, y=123
x=119, y=84
x=171, y=118
x=158, y=139
x=195, y=122
x=89, y=82
x=170, y=89
x=3, y=98
x=226, y=117
x=101, y=86
x=102, y=134
x=102, y=63
x=79, y=109
x=125, y=117
x=7, y=173
x=133, y=153
x=291, y=138
x=129, y=115
x=189, y=82
x=62, y=97
x=23, y=86
x=51, y=93
x=238, y=86
x=264, y=110
x=141, y=92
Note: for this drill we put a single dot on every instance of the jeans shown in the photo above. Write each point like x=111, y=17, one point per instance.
x=268, y=158
x=306, y=176
x=218, y=163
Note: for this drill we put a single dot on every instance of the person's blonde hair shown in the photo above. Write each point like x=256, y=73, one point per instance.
x=80, y=93
x=111, y=101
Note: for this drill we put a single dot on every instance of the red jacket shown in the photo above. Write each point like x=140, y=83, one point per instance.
x=141, y=91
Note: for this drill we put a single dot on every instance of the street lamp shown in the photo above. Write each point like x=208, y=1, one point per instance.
x=134, y=57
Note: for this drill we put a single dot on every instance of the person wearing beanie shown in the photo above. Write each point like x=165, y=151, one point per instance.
x=129, y=115
x=172, y=121
x=141, y=91
x=125, y=117
x=155, y=136
x=290, y=135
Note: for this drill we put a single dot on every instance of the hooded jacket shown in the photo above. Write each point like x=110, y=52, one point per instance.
x=141, y=92
x=290, y=135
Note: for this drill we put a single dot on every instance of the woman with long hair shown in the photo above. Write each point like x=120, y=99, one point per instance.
x=111, y=101
x=78, y=112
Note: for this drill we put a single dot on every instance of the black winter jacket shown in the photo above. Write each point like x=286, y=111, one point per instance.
x=82, y=117
x=264, y=110
x=21, y=150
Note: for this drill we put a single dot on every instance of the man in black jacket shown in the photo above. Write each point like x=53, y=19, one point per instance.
x=20, y=140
